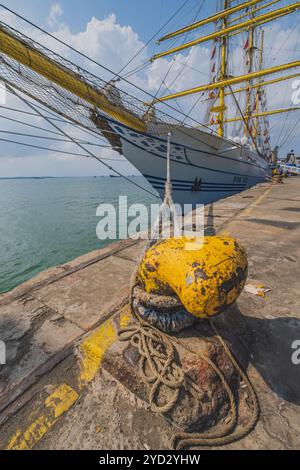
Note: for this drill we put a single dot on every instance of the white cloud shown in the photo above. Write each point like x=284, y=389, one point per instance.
x=108, y=41
x=54, y=15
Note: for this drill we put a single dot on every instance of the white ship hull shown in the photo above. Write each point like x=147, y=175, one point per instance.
x=220, y=167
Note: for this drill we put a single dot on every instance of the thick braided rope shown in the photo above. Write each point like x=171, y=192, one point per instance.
x=232, y=432
x=157, y=356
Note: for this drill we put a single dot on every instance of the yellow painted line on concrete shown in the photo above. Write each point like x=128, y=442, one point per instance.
x=251, y=208
x=94, y=347
x=56, y=404
x=92, y=351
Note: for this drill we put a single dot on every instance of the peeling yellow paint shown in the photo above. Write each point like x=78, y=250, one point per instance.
x=61, y=400
x=63, y=397
x=206, y=280
x=125, y=317
x=56, y=404
x=13, y=440
x=93, y=348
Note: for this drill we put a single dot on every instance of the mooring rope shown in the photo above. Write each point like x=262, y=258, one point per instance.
x=157, y=355
x=233, y=432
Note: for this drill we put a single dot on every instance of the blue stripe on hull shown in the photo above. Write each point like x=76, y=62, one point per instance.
x=234, y=190
x=181, y=185
x=159, y=178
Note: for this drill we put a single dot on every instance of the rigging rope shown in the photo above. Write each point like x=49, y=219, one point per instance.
x=138, y=69
x=90, y=132
x=148, y=64
x=59, y=100
x=30, y=114
x=34, y=136
x=80, y=145
x=28, y=125
x=289, y=134
x=30, y=84
x=151, y=39
x=198, y=100
x=246, y=124
x=60, y=151
x=17, y=121
x=172, y=62
x=22, y=111
x=88, y=58
x=286, y=86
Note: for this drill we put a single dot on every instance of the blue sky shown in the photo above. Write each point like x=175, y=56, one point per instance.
x=144, y=16
x=125, y=25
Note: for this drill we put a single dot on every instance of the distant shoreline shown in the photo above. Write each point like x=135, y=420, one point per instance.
x=61, y=177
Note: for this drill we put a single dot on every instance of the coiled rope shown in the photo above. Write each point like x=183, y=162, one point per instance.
x=234, y=430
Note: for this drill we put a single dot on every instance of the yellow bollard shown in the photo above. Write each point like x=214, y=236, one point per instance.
x=206, y=280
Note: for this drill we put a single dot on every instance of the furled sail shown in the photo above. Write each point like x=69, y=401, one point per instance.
x=61, y=85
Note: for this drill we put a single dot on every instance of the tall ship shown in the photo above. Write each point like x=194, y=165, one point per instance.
x=229, y=151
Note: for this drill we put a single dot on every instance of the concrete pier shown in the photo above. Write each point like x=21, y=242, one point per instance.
x=64, y=385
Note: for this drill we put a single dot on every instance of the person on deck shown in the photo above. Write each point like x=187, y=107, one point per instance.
x=291, y=158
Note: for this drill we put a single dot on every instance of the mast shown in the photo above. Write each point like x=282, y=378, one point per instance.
x=250, y=56
x=223, y=73
x=217, y=88
x=258, y=93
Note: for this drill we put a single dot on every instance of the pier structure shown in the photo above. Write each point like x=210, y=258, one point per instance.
x=69, y=383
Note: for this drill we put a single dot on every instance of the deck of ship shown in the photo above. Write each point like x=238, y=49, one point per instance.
x=58, y=389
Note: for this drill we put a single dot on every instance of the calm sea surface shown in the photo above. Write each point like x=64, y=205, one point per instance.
x=46, y=222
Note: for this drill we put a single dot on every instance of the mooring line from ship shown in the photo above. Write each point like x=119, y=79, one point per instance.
x=233, y=433
x=151, y=344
